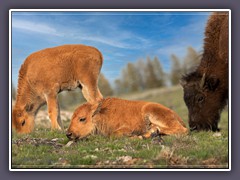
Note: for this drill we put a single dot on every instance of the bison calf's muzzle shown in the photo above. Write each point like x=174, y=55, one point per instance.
x=69, y=135
x=72, y=136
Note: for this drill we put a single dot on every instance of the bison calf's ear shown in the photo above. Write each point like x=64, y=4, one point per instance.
x=96, y=108
x=212, y=83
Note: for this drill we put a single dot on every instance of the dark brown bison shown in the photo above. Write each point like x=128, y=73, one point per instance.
x=206, y=89
x=46, y=73
x=119, y=117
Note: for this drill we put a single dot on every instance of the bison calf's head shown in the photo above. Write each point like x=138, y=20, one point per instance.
x=23, y=119
x=204, y=99
x=82, y=123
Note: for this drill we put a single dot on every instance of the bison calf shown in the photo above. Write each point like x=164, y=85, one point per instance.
x=118, y=117
x=46, y=73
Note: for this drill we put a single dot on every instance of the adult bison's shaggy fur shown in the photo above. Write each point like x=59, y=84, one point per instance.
x=206, y=89
x=118, y=117
x=46, y=73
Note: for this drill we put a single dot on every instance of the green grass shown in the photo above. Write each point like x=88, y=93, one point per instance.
x=196, y=150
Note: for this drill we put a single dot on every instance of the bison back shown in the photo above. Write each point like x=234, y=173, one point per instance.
x=62, y=64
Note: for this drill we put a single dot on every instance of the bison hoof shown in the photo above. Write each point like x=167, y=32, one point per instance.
x=156, y=137
x=157, y=140
x=57, y=128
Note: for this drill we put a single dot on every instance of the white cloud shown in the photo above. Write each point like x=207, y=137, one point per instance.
x=119, y=41
x=110, y=42
x=172, y=49
x=96, y=30
x=194, y=27
x=34, y=27
x=179, y=50
x=111, y=35
x=191, y=34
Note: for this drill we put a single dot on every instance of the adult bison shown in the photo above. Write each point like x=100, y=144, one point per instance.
x=46, y=73
x=206, y=89
x=119, y=117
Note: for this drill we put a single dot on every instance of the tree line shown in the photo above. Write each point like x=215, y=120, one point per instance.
x=136, y=76
x=149, y=73
x=141, y=75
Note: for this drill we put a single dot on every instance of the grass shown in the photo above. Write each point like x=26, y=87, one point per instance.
x=47, y=149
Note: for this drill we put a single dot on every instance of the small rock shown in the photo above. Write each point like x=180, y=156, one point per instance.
x=90, y=157
x=62, y=162
x=166, y=152
x=106, y=162
x=121, y=150
x=124, y=158
x=54, y=140
x=69, y=143
x=217, y=134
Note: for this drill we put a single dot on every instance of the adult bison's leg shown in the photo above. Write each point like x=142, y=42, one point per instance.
x=54, y=111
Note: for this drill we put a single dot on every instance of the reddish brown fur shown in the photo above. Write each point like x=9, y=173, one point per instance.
x=46, y=73
x=118, y=117
x=206, y=89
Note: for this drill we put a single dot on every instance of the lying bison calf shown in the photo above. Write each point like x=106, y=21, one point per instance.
x=46, y=73
x=120, y=117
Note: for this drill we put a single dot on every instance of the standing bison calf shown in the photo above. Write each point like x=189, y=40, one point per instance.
x=46, y=73
x=118, y=117
x=206, y=89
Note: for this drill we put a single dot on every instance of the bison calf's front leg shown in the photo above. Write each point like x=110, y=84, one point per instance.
x=54, y=112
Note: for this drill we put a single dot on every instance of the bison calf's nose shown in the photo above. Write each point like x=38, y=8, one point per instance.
x=69, y=134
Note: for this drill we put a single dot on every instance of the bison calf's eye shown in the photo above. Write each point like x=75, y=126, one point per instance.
x=23, y=122
x=82, y=119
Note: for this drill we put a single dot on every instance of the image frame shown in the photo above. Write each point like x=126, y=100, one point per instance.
x=118, y=10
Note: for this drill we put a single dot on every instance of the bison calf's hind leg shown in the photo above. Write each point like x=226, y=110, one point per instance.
x=54, y=112
x=174, y=127
x=91, y=93
x=166, y=120
x=59, y=117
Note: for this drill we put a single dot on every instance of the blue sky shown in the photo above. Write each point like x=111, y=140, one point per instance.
x=122, y=37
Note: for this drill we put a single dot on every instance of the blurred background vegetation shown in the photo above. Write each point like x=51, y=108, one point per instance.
x=136, y=76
